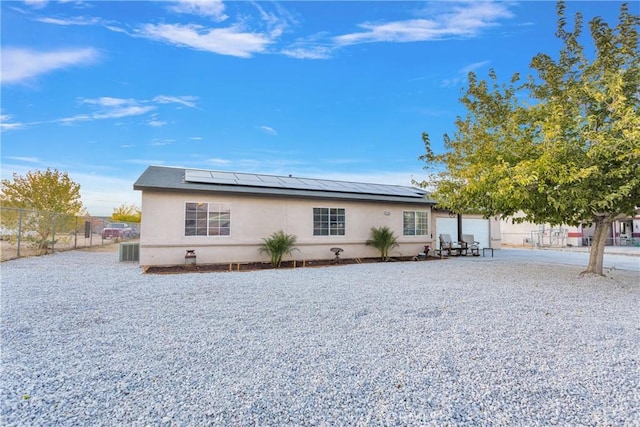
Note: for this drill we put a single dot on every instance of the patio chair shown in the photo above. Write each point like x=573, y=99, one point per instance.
x=449, y=246
x=469, y=243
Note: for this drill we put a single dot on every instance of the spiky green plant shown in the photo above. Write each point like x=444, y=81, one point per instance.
x=382, y=238
x=278, y=245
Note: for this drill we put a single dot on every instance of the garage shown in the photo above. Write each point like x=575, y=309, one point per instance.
x=479, y=227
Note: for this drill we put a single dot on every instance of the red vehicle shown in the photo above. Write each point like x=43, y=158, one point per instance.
x=116, y=231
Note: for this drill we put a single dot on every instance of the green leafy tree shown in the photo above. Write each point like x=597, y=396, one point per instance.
x=277, y=246
x=51, y=198
x=382, y=238
x=563, y=147
x=50, y=191
x=127, y=213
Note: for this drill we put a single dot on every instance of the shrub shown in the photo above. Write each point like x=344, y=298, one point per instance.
x=382, y=238
x=278, y=245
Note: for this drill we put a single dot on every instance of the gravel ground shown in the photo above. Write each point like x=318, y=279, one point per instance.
x=87, y=340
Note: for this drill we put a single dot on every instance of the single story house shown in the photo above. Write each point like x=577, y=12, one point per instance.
x=224, y=216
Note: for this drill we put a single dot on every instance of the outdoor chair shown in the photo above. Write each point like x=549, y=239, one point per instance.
x=449, y=246
x=469, y=243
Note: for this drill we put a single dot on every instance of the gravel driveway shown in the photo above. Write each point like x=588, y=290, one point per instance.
x=87, y=340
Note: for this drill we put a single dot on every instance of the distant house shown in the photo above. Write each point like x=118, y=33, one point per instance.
x=224, y=216
x=624, y=230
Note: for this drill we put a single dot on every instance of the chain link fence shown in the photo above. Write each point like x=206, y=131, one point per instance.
x=26, y=232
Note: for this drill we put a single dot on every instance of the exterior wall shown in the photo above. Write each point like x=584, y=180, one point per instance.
x=162, y=240
x=529, y=234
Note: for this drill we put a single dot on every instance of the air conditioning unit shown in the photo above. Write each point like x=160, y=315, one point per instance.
x=129, y=251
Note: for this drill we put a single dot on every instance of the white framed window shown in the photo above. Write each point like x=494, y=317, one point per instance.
x=328, y=221
x=207, y=219
x=415, y=223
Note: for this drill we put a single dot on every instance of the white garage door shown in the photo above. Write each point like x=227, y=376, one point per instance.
x=479, y=228
x=476, y=226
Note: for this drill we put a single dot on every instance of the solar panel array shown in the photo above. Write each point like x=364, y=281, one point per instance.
x=293, y=183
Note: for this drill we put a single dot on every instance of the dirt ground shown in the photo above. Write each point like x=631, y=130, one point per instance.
x=107, y=247
x=9, y=249
x=205, y=268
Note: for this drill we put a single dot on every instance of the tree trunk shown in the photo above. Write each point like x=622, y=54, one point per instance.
x=596, y=256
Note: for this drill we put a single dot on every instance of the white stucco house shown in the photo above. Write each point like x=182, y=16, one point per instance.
x=223, y=216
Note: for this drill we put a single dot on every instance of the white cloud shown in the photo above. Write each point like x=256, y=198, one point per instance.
x=276, y=23
x=209, y=8
x=308, y=52
x=462, y=74
x=6, y=123
x=473, y=16
x=161, y=143
x=187, y=101
x=24, y=159
x=111, y=108
x=107, y=101
x=474, y=66
x=132, y=110
x=462, y=19
x=156, y=123
x=219, y=161
x=116, y=29
x=400, y=31
x=225, y=41
x=36, y=4
x=19, y=65
x=268, y=130
x=70, y=21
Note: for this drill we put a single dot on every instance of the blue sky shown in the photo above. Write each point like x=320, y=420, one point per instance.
x=336, y=90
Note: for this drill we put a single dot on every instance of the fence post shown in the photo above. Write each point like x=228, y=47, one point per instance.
x=19, y=232
x=75, y=234
x=53, y=232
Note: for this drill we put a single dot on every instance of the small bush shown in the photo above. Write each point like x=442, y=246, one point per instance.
x=382, y=238
x=278, y=245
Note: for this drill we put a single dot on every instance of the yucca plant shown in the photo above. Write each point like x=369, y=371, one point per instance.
x=278, y=245
x=382, y=238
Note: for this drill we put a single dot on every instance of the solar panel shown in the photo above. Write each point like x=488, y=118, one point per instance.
x=247, y=177
x=227, y=176
x=269, y=178
x=190, y=174
x=294, y=183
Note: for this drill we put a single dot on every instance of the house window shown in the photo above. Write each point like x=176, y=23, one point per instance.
x=207, y=219
x=328, y=222
x=414, y=223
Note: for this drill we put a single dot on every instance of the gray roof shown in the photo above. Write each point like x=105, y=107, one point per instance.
x=162, y=178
